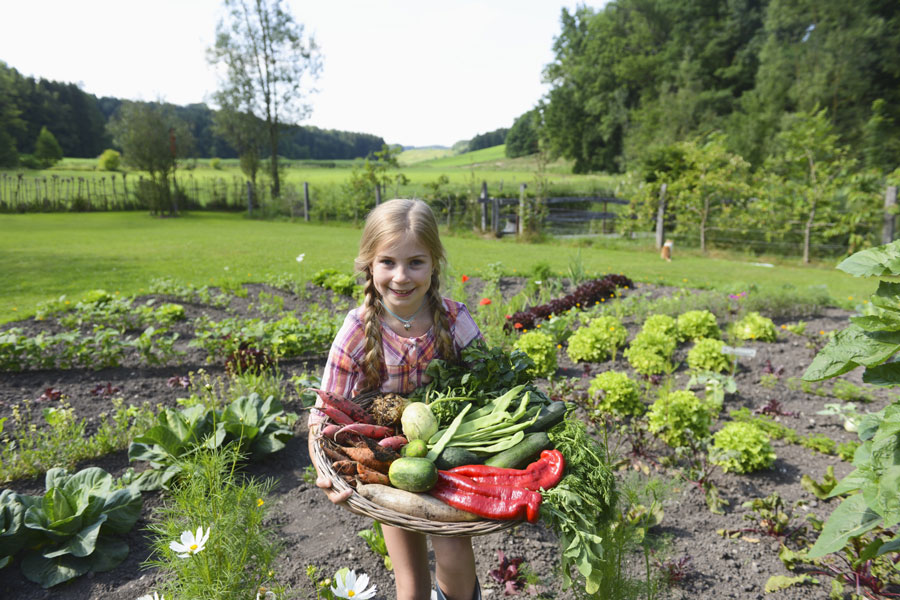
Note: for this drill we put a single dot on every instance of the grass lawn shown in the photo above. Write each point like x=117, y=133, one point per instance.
x=43, y=256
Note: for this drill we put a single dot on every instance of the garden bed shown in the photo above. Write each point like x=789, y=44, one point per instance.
x=317, y=533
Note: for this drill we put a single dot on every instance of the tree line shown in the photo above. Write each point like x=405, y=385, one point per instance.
x=80, y=123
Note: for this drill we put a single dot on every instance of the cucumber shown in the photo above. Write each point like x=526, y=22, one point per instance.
x=456, y=456
x=413, y=474
x=551, y=414
x=522, y=453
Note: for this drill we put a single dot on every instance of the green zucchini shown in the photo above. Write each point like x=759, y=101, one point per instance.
x=550, y=415
x=522, y=453
x=454, y=456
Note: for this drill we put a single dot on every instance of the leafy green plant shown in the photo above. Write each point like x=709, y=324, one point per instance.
x=650, y=353
x=707, y=355
x=742, y=448
x=660, y=324
x=597, y=341
x=541, y=349
x=374, y=538
x=754, y=326
x=695, y=324
x=614, y=392
x=679, y=416
x=70, y=529
x=846, y=412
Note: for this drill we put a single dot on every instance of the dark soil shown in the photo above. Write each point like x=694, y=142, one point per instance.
x=315, y=532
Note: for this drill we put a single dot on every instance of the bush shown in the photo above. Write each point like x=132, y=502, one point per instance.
x=109, y=160
x=597, y=341
x=540, y=348
x=679, y=416
x=649, y=353
x=28, y=161
x=46, y=149
x=660, y=324
x=742, y=448
x=696, y=324
x=614, y=392
x=706, y=355
x=754, y=326
x=215, y=163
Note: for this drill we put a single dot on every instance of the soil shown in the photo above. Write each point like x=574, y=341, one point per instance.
x=315, y=532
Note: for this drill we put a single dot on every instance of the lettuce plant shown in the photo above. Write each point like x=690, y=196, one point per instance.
x=69, y=530
x=678, y=417
x=597, y=341
x=695, y=324
x=649, y=353
x=754, y=326
x=540, y=348
x=660, y=325
x=706, y=355
x=742, y=448
x=614, y=392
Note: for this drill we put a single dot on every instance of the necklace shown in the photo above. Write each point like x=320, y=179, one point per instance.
x=407, y=323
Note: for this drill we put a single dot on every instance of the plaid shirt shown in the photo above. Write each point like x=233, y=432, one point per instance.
x=405, y=358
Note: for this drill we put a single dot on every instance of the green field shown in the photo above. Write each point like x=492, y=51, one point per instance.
x=43, y=256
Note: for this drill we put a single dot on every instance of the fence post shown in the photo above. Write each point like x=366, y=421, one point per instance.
x=495, y=216
x=522, y=212
x=483, y=198
x=249, y=199
x=377, y=194
x=306, y=201
x=660, y=215
x=890, y=215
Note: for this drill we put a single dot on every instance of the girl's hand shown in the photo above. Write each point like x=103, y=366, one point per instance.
x=323, y=481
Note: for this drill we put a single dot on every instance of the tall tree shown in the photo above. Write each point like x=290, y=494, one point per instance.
x=46, y=149
x=266, y=58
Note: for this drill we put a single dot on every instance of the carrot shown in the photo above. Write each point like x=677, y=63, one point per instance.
x=382, y=453
x=367, y=475
x=338, y=416
x=395, y=442
x=329, y=430
x=344, y=467
x=367, y=457
x=376, y=432
x=422, y=506
x=334, y=452
x=348, y=407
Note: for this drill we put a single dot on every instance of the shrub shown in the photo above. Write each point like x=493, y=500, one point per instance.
x=679, y=416
x=649, y=353
x=46, y=149
x=215, y=163
x=706, y=355
x=754, y=326
x=597, y=341
x=586, y=295
x=660, y=324
x=742, y=448
x=109, y=160
x=540, y=348
x=614, y=392
x=696, y=324
x=28, y=161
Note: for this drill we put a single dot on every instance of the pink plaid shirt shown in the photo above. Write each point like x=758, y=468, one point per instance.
x=405, y=358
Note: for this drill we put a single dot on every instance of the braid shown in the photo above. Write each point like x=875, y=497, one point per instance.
x=374, y=357
x=442, y=339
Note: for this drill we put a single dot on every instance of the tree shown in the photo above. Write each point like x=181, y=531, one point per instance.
x=245, y=133
x=377, y=171
x=522, y=138
x=152, y=138
x=10, y=122
x=266, y=58
x=46, y=149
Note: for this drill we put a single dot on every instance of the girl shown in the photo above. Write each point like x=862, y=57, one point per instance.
x=386, y=344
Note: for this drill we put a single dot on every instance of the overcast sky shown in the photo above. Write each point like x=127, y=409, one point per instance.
x=415, y=72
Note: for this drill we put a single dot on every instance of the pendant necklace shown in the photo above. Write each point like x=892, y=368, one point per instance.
x=407, y=323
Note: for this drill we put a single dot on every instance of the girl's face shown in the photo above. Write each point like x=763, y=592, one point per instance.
x=401, y=272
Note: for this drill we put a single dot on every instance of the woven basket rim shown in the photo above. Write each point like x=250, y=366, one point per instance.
x=387, y=516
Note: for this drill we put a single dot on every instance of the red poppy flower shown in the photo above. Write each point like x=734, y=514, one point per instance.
x=508, y=317
x=518, y=326
x=485, y=301
x=465, y=278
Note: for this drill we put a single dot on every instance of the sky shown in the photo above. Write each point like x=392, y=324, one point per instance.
x=415, y=72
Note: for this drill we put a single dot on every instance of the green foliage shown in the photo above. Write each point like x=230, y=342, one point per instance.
x=239, y=555
x=650, y=353
x=679, y=417
x=46, y=149
x=659, y=325
x=707, y=355
x=742, y=448
x=71, y=529
x=522, y=139
x=109, y=160
x=597, y=341
x=754, y=326
x=374, y=538
x=334, y=280
x=614, y=392
x=215, y=163
x=695, y=324
x=541, y=348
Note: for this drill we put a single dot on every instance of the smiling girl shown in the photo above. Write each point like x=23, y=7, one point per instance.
x=386, y=344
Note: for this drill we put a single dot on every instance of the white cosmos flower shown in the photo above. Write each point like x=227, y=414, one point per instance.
x=301, y=257
x=191, y=543
x=269, y=595
x=155, y=596
x=349, y=586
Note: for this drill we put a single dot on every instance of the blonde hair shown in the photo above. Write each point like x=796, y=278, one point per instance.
x=385, y=225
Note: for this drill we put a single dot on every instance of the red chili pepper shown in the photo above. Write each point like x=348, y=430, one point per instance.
x=491, y=501
x=542, y=473
x=348, y=407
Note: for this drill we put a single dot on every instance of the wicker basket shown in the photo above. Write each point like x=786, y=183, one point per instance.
x=366, y=507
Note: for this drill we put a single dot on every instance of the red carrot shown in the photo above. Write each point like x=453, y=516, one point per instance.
x=338, y=416
x=348, y=407
x=330, y=430
x=394, y=442
x=376, y=432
